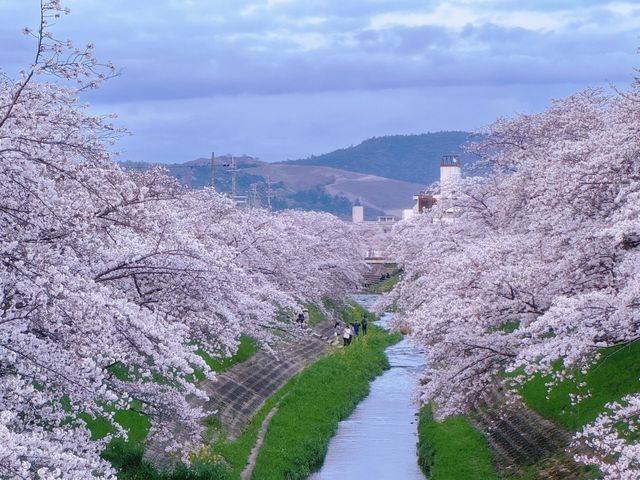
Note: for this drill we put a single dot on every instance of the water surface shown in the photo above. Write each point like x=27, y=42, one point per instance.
x=378, y=441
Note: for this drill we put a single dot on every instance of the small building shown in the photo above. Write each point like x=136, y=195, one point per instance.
x=357, y=214
x=424, y=201
x=407, y=213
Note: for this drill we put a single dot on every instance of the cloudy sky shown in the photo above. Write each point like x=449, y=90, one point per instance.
x=283, y=79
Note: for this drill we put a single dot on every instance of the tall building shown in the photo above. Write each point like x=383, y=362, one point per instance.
x=450, y=174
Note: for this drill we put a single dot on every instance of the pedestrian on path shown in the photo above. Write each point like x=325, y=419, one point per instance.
x=364, y=324
x=346, y=336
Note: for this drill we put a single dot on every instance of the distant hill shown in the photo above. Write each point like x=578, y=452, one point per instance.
x=412, y=158
x=302, y=185
x=382, y=173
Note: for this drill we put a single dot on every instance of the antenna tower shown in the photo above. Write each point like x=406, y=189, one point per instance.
x=254, y=197
x=269, y=192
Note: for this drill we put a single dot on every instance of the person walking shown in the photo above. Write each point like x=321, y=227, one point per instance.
x=364, y=324
x=346, y=336
x=300, y=319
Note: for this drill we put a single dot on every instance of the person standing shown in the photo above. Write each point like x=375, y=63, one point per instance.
x=356, y=328
x=346, y=336
x=364, y=324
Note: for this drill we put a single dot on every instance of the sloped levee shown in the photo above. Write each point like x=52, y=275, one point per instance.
x=379, y=439
x=520, y=437
x=239, y=392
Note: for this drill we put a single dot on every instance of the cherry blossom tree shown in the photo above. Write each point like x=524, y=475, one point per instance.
x=100, y=266
x=539, y=262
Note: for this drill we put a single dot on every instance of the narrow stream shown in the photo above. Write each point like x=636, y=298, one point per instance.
x=378, y=441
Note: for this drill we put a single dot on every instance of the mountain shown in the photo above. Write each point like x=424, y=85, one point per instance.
x=379, y=195
x=307, y=187
x=412, y=158
x=382, y=173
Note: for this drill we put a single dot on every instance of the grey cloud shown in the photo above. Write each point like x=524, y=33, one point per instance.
x=199, y=74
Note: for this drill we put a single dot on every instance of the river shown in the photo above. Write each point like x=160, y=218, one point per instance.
x=378, y=441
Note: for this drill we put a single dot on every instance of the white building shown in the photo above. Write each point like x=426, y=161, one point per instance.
x=357, y=214
x=450, y=175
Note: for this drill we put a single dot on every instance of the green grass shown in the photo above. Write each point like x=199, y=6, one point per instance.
x=246, y=349
x=452, y=449
x=315, y=315
x=386, y=285
x=615, y=375
x=131, y=466
x=236, y=453
x=126, y=456
x=353, y=312
x=316, y=400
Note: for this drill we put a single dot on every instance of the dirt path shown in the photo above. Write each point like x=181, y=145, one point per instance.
x=255, y=451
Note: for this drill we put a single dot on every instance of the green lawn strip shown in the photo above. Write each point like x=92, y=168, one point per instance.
x=615, y=375
x=386, y=285
x=452, y=449
x=318, y=398
x=127, y=455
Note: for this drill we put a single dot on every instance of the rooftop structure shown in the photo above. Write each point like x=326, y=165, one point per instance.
x=450, y=173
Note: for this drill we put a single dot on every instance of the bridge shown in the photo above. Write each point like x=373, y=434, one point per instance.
x=377, y=257
x=378, y=260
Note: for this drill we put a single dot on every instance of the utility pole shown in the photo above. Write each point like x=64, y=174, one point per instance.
x=233, y=177
x=254, y=197
x=269, y=192
x=212, y=180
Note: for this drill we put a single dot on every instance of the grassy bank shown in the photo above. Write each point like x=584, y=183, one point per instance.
x=316, y=400
x=615, y=375
x=452, y=449
x=126, y=456
x=348, y=373
x=386, y=285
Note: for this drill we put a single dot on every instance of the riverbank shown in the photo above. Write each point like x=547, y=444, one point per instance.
x=452, y=449
x=316, y=401
x=531, y=439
